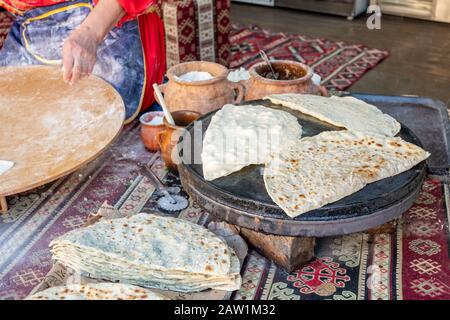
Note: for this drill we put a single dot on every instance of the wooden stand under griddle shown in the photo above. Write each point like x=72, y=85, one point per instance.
x=288, y=252
x=292, y=253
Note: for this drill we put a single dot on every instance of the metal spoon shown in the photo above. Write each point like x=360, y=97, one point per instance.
x=266, y=60
x=171, y=200
x=157, y=183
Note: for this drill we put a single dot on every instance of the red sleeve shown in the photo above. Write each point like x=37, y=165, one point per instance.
x=135, y=8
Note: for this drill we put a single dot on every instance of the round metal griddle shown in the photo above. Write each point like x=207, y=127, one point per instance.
x=241, y=197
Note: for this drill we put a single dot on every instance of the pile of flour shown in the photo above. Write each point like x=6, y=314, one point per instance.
x=194, y=76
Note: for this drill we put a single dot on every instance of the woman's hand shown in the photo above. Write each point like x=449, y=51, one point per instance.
x=80, y=48
x=79, y=54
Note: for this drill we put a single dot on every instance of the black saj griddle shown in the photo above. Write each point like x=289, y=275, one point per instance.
x=241, y=197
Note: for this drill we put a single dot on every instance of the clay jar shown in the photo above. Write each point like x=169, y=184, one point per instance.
x=258, y=86
x=200, y=96
x=169, y=138
x=149, y=132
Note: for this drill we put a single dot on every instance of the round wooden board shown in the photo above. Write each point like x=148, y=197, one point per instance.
x=49, y=128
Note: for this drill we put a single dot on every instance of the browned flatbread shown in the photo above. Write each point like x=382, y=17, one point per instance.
x=332, y=165
x=348, y=112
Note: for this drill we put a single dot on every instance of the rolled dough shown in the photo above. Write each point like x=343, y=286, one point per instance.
x=49, y=128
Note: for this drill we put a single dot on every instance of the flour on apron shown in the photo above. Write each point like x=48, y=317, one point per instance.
x=38, y=36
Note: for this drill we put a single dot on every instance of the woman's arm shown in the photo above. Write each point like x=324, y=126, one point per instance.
x=80, y=48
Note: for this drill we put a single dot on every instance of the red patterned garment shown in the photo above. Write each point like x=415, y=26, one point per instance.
x=150, y=25
x=19, y=7
x=133, y=8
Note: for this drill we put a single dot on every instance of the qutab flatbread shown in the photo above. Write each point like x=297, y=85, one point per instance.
x=150, y=251
x=238, y=136
x=348, y=112
x=97, y=291
x=332, y=165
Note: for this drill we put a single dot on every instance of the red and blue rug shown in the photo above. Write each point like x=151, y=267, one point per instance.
x=411, y=263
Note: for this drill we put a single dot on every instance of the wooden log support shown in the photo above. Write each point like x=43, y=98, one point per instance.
x=288, y=252
x=3, y=204
x=294, y=252
x=388, y=227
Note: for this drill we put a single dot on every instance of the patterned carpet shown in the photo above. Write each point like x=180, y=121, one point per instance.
x=411, y=263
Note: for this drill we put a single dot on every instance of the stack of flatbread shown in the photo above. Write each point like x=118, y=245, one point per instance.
x=97, y=291
x=332, y=165
x=238, y=136
x=150, y=251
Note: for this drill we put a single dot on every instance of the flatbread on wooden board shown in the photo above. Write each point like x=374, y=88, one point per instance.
x=332, y=165
x=97, y=291
x=150, y=251
x=348, y=112
x=238, y=136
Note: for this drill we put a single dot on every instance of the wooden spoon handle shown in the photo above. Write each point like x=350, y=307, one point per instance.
x=161, y=101
x=323, y=91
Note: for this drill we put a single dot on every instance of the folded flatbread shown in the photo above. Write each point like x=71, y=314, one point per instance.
x=150, y=251
x=97, y=291
x=238, y=136
x=332, y=165
x=348, y=112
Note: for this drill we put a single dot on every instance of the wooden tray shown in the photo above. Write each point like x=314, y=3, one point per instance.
x=49, y=128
